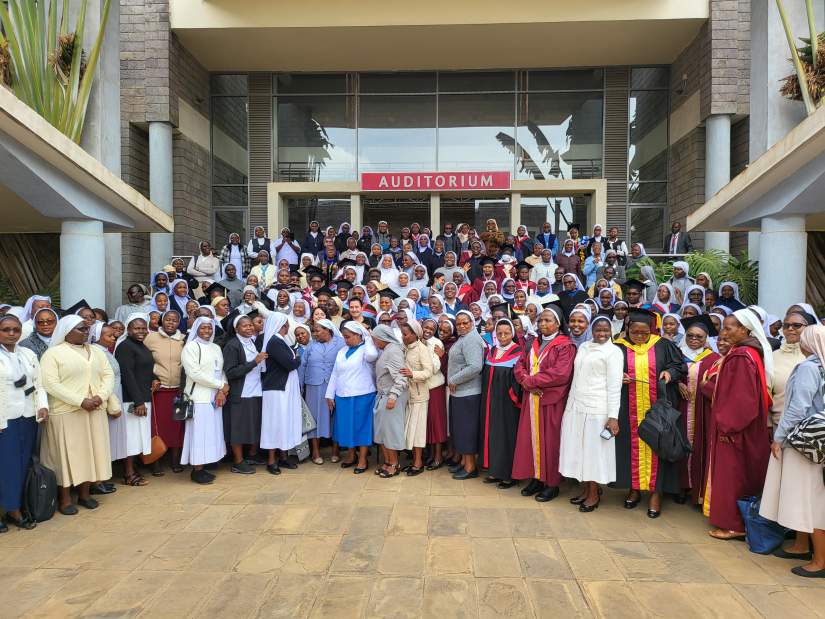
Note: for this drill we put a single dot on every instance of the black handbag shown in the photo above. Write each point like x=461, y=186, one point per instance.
x=40, y=488
x=183, y=407
x=660, y=429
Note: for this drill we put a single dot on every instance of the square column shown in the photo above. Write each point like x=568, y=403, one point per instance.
x=161, y=246
x=356, y=216
x=435, y=214
x=717, y=170
x=515, y=211
x=782, y=282
x=82, y=263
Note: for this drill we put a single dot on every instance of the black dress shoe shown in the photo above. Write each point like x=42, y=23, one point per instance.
x=801, y=556
x=548, y=494
x=455, y=467
x=24, y=523
x=89, y=503
x=358, y=470
x=652, y=513
x=287, y=464
x=504, y=485
x=578, y=500
x=346, y=465
x=586, y=509
x=491, y=480
x=628, y=504
x=800, y=571
x=201, y=477
x=69, y=510
x=532, y=488
x=463, y=474
x=273, y=469
x=680, y=499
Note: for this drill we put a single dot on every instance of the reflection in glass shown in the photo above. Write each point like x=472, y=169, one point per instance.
x=649, y=78
x=477, y=81
x=648, y=135
x=401, y=82
x=581, y=79
x=396, y=133
x=398, y=212
x=468, y=126
x=230, y=196
x=227, y=222
x=559, y=136
x=560, y=211
x=230, y=156
x=310, y=83
x=316, y=138
x=648, y=193
x=647, y=227
x=328, y=211
x=230, y=84
x=476, y=211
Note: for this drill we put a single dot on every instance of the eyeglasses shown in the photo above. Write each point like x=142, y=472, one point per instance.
x=794, y=326
x=46, y=322
x=694, y=336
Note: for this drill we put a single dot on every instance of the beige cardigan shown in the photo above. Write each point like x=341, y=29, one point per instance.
x=166, y=352
x=420, y=359
x=70, y=375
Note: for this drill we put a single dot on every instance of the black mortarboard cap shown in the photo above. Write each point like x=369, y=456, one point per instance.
x=212, y=288
x=324, y=290
x=342, y=284
x=639, y=314
x=635, y=283
x=389, y=293
x=574, y=226
x=703, y=321
x=346, y=262
x=487, y=260
x=77, y=306
x=504, y=307
x=524, y=265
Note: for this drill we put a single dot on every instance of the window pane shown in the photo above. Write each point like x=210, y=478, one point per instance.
x=648, y=135
x=476, y=81
x=559, y=136
x=647, y=226
x=330, y=211
x=648, y=193
x=476, y=211
x=309, y=83
x=230, y=196
x=398, y=212
x=560, y=211
x=397, y=82
x=474, y=132
x=227, y=222
x=316, y=138
x=587, y=79
x=230, y=159
x=396, y=133
x=650, y=77
x=229, y=84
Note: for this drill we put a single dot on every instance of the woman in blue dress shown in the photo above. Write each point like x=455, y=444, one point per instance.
x=317, y=362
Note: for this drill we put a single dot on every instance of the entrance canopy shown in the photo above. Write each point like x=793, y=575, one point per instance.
x=45, y=179
x=788, y=179
x=349, y=35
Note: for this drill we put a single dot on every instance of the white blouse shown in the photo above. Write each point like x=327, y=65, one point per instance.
x=355, y=375
x=13, y=401
x=597, y=379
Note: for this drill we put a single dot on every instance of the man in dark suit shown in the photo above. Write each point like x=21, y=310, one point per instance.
x=678, y=242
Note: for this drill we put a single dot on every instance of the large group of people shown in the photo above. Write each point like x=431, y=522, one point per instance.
x=523, y=360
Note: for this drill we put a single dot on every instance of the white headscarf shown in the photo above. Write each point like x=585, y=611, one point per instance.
x=274, y=323
x=64, y=326
x=133, y=316
x=733, y=285
x=181, y=301
x=307, y=311
x=27, y=309
x=690, y=289
x=587, y=335
x=388, y=334
x=526, y=325
x=193, y=332
x=327, y=324
x=681, y=264
x=751, y=322
x=356, y=327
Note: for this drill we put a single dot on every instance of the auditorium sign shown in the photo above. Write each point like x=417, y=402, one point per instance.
x=435, y=181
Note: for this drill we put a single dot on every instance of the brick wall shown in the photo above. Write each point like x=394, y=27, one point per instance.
x=739, y=143
x=191, y=195
x=691, y=63
x=135, y=171
x=687, y=179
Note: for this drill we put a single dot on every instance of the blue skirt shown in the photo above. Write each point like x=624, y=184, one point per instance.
x=317, y=403
x=352, y=420
x=16, y=445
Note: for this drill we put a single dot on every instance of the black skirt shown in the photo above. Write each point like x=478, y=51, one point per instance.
x=464, y=422
x=245, y=422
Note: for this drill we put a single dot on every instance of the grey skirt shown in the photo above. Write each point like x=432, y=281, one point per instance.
x=388, y=425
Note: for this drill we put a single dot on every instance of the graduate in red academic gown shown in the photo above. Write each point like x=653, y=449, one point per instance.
x=741, y=445
x=695, y=407
x=544, y=372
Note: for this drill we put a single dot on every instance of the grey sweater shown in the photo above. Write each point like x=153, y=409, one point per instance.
x=465, y=363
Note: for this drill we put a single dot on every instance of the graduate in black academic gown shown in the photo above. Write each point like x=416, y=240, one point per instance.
x=500, y=406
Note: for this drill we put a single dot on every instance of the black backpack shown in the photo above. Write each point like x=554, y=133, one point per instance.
x=40, y=489
x=660, y=429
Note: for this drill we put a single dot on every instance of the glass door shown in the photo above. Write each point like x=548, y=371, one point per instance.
x=560, y=211
x=397, y=212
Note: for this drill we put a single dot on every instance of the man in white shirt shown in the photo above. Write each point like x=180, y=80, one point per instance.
x=286, y=248
x=204, y=266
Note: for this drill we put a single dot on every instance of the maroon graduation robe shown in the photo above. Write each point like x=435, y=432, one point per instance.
x=741, y=444
x=539, y=431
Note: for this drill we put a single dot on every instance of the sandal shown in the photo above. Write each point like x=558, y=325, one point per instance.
x=412, y=471
x=135, y=480
x=68, y=510
x=385, y=474
x=726, y=535
x=434, y=466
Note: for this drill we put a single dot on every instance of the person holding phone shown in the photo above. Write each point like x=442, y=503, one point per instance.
x=591, y=417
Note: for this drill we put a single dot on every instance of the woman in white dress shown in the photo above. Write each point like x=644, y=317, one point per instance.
x=206, y=385
x=103, y=336
x=592, y=407
x=281, y=418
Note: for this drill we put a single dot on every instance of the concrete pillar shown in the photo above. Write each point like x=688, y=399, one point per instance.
x=356, y=217
x=161, y=247
x=435, y=214
x=717, y=170
x=82, y=263
x=515, y=212
x=782, y=281
x=753, y=245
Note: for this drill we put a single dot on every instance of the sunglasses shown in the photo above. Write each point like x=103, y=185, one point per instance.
x=794, y=326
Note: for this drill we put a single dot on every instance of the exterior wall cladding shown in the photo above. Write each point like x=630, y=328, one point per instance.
x=156, y=71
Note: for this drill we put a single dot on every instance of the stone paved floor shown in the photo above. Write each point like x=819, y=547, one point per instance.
x=322, y=542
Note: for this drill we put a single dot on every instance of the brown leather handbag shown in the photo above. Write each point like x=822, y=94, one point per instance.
x=159, y=447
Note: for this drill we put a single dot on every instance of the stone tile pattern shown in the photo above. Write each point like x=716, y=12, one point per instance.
x=322, y=542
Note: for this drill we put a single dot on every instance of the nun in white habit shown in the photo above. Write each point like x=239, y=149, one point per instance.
x=281, y=418
x=202, y=359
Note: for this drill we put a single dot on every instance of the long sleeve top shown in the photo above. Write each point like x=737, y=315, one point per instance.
x=136, y=371
x=281, y=361
x=72, y=373
x=354, y=375
x=591, y=268
x=422, y=361
x=14, y=402
x=166, y=352
x=597, y=379
x=388, y=380
x=318, y=360
x=204, y=267
x=466, y=360
x=784, y=361
x=803, y=397
x=203, y=363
